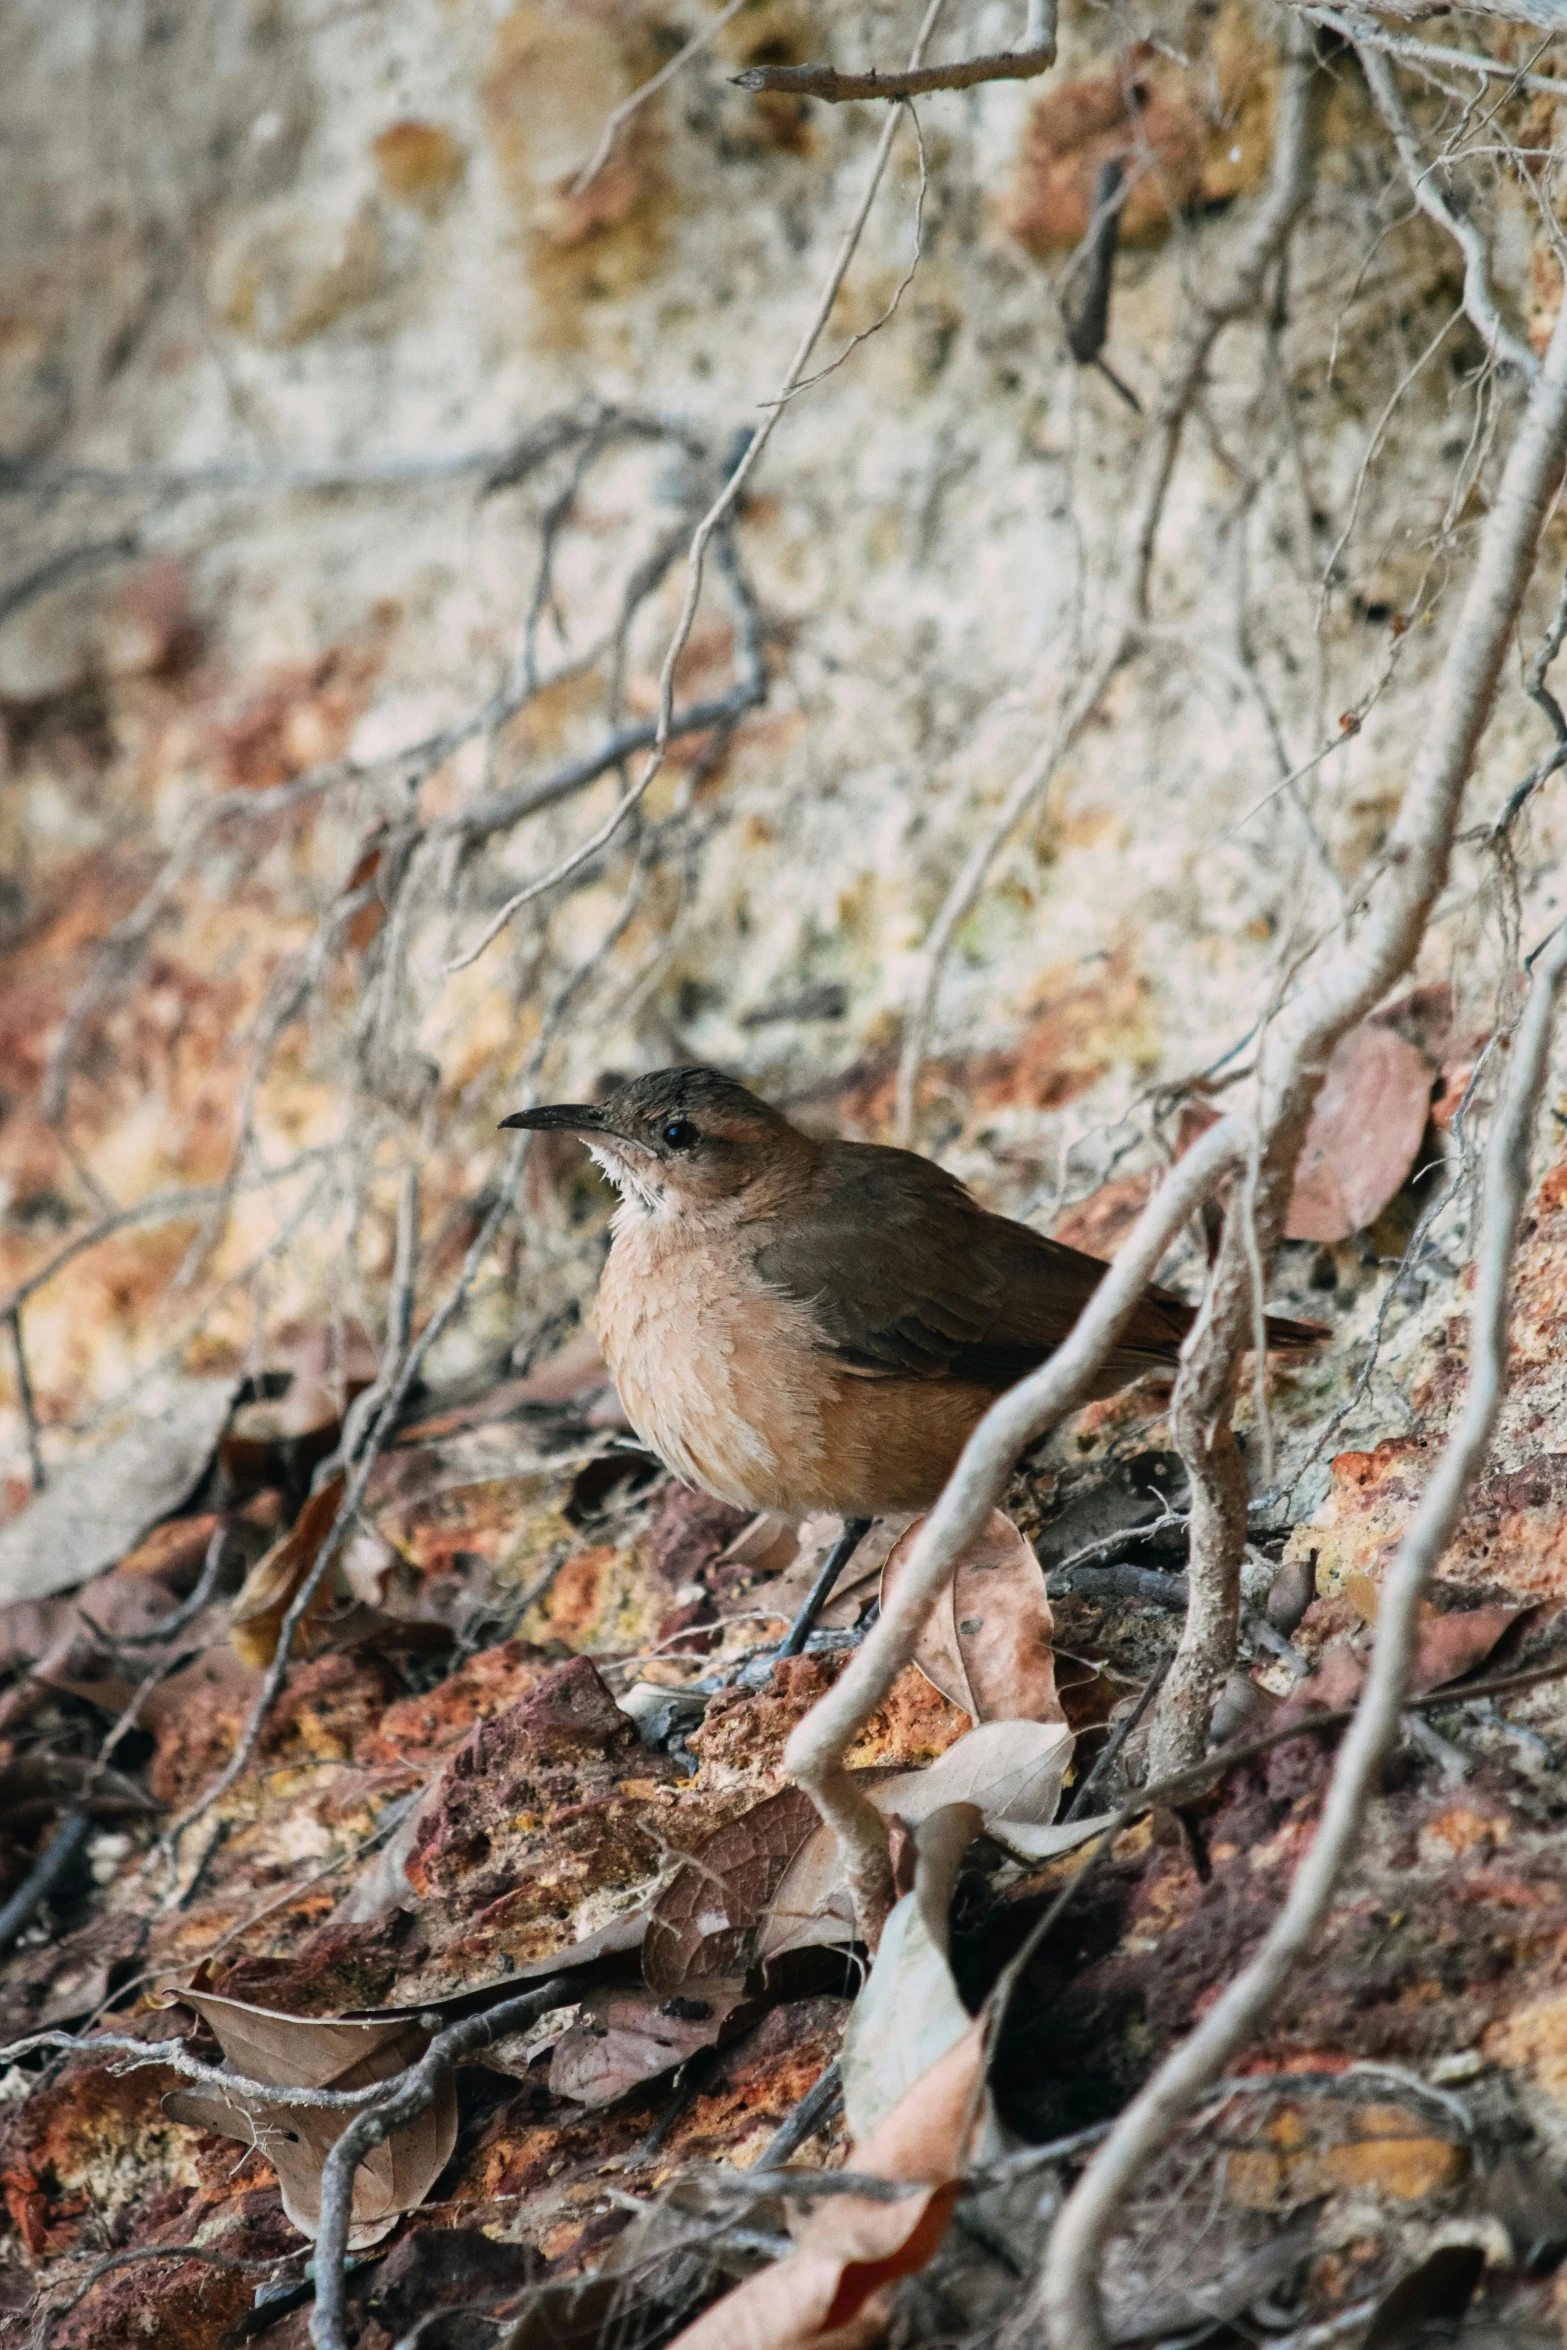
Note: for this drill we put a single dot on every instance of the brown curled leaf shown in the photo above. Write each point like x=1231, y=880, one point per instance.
x=987, y=1645
x=1446, y=1649
x=704, y=1924
x=1013, y=1772
x=321, y=2052
x=909, y=2014
x=1364, y=1134
x=83, y=1521
x=625, y=2035
x=835, y=2286
x=275, y=1579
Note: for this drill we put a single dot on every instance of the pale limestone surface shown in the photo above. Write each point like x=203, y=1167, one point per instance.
x=283, y=237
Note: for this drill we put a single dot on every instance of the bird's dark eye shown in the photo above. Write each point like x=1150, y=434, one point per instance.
x=680, y=1134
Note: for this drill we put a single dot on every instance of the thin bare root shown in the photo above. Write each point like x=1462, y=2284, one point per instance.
x=712, y=522
x=1069, y=2290
x=1338, y=992
x=1234, y=288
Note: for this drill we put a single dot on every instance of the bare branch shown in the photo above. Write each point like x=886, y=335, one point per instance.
x=144, y=2252
x=189, y=1608
x=1069, y=2289
x=71, y=563
x=46, y=1872
x=1294, y=1058
x=398, y=2102
x=1479, y=301
x=137, y=2055
x=617, y=120
x=1541, y=695
x=712, y=522
x=1549, y=15
x=1423, y=57
x=498, y=468
x=354, y=1488
x=807, y=383
x=1219, y=298
x=825, y=82
x=24, y=1396
x=164, y=1207
x=498, y=811
x=1296, y=1048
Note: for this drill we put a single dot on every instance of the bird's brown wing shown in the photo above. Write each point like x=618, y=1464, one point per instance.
x=906, y=1275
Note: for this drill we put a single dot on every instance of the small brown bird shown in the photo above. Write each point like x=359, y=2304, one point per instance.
x=818, y=1326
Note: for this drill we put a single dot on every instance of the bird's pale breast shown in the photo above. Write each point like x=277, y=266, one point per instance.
x=711, y=1366
x=729, y=1383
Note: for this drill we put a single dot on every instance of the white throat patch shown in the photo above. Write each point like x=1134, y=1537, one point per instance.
x=633, y=1188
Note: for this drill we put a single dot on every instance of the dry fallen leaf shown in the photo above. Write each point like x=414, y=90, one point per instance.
x=321, y=2052
x=1364, y=1133
x=63, y=1638
x=1446, y=1648
x=273, y=1581
x=704, y=1924
x=97, y=1507
x=987, y=1643
x=625, y=2035
x=1012, y=1771
x=909, y=2014
x=833, y=2289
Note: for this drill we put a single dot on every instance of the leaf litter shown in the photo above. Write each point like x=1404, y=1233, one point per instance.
x=293, y=2052
x=553, y=1749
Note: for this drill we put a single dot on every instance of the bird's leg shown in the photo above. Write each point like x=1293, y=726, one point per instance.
x=848, y=1542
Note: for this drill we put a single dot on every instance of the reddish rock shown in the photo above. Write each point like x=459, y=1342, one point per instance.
x=760, y=2079
x=1142, y=109
x=184, y=2304
x=339, y=1969
x=415, y=1728
x=684, y=1534
x=1512, y=1537
x=329, y=1706
x=553, y=1751
x=196, y=1719
x=742, y=1739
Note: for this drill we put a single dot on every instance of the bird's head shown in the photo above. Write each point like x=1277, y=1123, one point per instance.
x=679, y=1141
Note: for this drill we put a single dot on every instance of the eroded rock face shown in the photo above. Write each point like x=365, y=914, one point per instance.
x=562, y=1749
x=1509, y=1539
x=326, y=276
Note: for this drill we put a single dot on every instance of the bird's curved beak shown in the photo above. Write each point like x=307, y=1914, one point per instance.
x=562, y=1118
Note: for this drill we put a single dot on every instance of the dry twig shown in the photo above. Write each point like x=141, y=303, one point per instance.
x=837, y=89
x=1069, y=2289
x=1295, y=1052
x=616, y=121
x=1234, y=288
x=1479, y=300
x=712, y=523
x=397, y=2102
